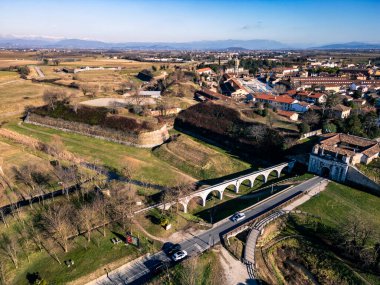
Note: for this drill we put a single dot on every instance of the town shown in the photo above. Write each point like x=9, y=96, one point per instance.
x=195, y=162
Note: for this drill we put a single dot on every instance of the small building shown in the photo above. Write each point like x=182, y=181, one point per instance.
x=293, y=116
x=151, y=94
x=206, y=70
x=340, y=111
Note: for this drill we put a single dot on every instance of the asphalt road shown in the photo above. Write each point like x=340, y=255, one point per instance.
x=139, y=272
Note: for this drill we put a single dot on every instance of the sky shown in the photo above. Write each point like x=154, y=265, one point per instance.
x=291, y=22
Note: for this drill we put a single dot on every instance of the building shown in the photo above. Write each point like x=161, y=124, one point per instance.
x=151, y=94
x=282, y=102
x=293, y=116
x=336, y=152
x=340, y=111
x=206, y=70
x=310, y=97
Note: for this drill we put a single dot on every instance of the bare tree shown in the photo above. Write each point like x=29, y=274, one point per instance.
x=56, y=221
x=51, y=97
x=10, y=249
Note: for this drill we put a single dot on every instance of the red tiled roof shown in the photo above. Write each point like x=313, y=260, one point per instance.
x=281, y=99
x=204, y=69
x=287, y=114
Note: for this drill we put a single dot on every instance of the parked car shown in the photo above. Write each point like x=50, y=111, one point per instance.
x=159, y=267
x=174, y=248
x=179, y=255
x=237, y=217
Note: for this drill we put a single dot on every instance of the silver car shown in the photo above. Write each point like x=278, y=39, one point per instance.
x=179, y=255
x=237, y=217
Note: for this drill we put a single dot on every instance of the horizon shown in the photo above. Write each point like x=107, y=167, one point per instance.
x=165, y=21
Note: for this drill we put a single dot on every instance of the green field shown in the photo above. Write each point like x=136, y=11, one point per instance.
x=199, y=160
x=317, y=246
x=145, y=166
x=87, y=257
x=339, y=204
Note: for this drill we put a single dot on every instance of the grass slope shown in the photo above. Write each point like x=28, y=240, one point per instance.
x=198, y=159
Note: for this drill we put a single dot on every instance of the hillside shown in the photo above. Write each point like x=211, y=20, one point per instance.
x=335, y=243
x=197, y=159
x=226, y=125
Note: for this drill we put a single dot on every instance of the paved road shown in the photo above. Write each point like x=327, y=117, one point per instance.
x=138, y=272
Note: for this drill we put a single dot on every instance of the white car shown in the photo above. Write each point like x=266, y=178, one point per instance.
x=179, y=255
x=238, y=217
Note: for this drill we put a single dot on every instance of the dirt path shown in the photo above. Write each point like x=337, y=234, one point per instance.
x=234, y=271
x=4, y=83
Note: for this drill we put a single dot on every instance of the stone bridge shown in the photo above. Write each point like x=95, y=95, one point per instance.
x=235, y=183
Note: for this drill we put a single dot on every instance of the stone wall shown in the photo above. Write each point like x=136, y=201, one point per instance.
x=143, y=139
x=336, y=170
x=357, y=178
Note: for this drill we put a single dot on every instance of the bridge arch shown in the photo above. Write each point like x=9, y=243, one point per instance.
x=232, y=186
x=216, y=193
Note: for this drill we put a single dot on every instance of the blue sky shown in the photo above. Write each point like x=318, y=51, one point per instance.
x=293, y=21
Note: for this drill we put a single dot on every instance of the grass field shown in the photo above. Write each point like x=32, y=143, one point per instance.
x=14, y=62
x=200, y=161
x=6, y=76
x=308, y=246
x=145, y=166
x=14, y=96
x=339, y=204
x=89, y=259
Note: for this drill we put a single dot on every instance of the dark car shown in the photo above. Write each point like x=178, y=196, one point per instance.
x=174, y=248
x=159, y=267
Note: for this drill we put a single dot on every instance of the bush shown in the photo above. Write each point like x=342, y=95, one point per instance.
x=304, y=128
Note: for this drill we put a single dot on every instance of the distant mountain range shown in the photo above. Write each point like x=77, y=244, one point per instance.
x=350, y=45
x=229, y=45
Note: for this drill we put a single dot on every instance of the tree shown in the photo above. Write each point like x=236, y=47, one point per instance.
x=332, y=100
x=304, y=128
x=45, y=61
x=329, y=128
x=86, y=219
x=56, y=61
x=52, y=97
x=354, y=126
x=311, y=118
x=56, y=220
x=9, y=248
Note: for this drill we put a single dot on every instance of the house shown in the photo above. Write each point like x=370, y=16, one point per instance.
x=206, y=70
x=340, y=111
x=301, y=107
x=293, y=116
x=310, y=97
x=282, y=102
x=151, y=94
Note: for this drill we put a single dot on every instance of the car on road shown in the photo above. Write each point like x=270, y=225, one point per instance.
x=173, y=249
x=179, y=255
x=237, y=217
x=159, y=267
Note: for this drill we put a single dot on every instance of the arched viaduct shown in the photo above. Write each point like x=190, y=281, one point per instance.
x=235, y=183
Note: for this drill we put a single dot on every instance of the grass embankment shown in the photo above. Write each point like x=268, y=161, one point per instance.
x=145, y=166
x=372, y=170
x=318, y=247
x=197, y=159
x=339, y=204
